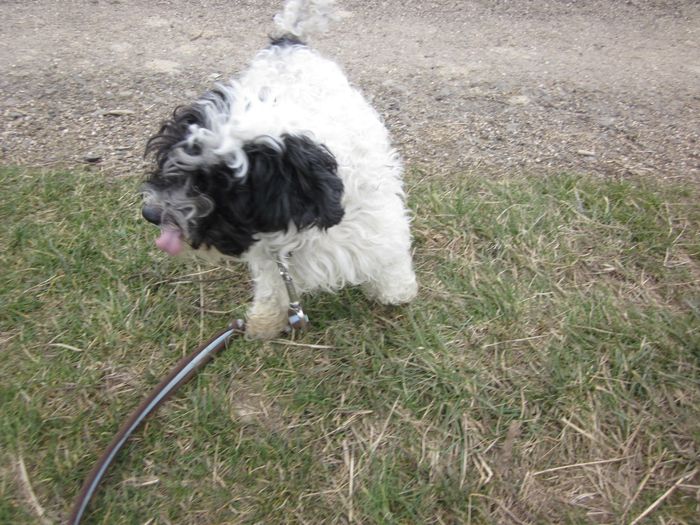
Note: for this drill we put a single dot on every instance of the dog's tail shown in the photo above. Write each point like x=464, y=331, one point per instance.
x=301, y=18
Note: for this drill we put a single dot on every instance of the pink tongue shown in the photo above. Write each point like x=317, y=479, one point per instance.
x=170, y=241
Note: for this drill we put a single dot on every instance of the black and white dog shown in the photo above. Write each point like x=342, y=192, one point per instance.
x=286, y=161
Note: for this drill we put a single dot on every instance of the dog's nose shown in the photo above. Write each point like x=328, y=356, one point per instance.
x=152, y=214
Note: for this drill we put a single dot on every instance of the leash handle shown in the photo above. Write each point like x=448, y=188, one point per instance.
x=185, y=369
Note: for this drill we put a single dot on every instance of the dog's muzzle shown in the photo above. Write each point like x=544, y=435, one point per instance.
x=152, y=214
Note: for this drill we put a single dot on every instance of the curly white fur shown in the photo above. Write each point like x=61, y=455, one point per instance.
x=293, y=90
x=305, y=93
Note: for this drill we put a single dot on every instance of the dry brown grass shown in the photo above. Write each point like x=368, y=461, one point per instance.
x=548, y=373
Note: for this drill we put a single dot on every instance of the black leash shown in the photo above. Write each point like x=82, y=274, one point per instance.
x=181, y=373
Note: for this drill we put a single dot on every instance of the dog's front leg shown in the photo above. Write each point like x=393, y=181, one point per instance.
x=267, y=316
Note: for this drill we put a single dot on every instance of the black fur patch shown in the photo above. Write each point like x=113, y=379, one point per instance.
x=230, y=227
x=297, y=184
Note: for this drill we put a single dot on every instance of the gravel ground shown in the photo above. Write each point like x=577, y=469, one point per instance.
x=605, y=87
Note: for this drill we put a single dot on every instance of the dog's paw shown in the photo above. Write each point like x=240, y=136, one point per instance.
x=265, y=324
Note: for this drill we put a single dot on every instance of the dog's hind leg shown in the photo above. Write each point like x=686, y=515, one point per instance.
x=395, y=283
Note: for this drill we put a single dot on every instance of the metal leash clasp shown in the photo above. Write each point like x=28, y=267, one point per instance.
x=298, y=320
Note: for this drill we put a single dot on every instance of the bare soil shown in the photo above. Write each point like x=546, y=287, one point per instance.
x=605, y=87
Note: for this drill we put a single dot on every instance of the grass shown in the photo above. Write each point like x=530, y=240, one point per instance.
x=548, y=373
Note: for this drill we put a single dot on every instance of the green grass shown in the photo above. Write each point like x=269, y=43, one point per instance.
x=558, y=324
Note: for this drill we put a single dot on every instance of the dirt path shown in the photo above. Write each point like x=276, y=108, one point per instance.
x=608, y=87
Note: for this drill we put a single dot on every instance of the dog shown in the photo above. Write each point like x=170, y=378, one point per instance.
x=287, y=161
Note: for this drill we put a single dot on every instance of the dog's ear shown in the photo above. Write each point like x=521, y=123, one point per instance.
x=293, y=181
x=175, y=130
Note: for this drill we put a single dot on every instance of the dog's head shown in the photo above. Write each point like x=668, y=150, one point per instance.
x=213, y=188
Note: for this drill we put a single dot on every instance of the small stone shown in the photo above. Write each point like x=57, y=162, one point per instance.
x=117, y=112
x=519, y=100
x=92, y=157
